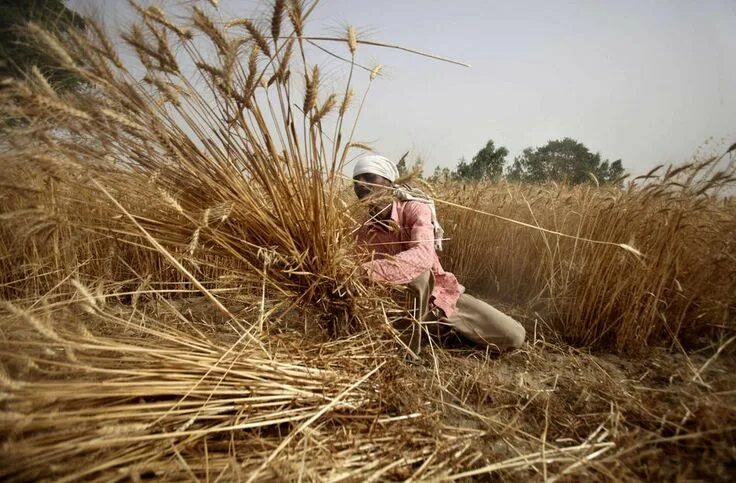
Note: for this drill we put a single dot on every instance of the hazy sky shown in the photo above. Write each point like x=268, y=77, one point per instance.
x=645, y=81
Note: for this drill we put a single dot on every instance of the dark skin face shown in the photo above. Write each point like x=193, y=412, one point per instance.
x=370, y=194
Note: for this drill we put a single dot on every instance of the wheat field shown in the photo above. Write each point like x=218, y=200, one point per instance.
x=182, y=296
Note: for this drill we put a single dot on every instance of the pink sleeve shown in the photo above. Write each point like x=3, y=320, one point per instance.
x=409, y=264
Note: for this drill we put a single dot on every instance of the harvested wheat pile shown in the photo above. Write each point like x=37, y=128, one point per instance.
x=182, y=299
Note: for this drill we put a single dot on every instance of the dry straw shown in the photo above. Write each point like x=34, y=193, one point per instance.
x=593, y=293
x=142, y=387
x=182, y=297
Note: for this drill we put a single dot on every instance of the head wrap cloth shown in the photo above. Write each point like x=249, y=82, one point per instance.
x=382, y=166
x=375, y=164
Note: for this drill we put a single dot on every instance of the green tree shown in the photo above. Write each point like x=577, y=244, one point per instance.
x=416, y=168
x=18, y=53
x=486, y=164
x=564, y=160
x=401, y=165
x=440, y=175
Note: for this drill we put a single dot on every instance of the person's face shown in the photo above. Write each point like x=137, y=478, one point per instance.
x=364, y=185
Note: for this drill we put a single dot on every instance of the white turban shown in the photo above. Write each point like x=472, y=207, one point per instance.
x=375, y=164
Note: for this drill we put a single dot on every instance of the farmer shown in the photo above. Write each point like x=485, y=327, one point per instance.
x=403, y=236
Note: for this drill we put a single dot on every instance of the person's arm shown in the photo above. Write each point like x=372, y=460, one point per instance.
x=409, y=264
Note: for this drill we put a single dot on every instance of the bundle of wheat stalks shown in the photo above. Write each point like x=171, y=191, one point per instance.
x=218, y=166
x=181, y=295
x=199, y=167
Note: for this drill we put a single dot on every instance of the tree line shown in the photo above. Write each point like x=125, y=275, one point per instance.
x=563, y=161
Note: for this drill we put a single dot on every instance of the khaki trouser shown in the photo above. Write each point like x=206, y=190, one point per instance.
x=473, y=319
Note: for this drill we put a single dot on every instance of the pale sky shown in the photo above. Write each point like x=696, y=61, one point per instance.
x=645, y=81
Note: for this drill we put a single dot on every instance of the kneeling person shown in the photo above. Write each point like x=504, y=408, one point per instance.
x=403, y=235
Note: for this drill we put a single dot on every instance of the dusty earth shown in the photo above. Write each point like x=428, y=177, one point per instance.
x=666, y=415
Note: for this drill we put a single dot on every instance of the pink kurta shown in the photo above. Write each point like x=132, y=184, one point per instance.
x=405, y=250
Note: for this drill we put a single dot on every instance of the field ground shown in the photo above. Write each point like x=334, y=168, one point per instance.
x=663, y=416
x=656, y=409
x=547, y=411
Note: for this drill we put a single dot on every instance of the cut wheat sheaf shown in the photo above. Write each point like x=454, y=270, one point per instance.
x=182, y=296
